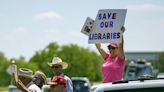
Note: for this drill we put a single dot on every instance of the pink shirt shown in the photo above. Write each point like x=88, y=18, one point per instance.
x=112, y=68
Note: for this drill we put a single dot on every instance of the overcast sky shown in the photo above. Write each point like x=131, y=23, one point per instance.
x=27, y=26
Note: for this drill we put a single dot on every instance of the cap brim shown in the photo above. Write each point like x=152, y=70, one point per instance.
x=112, y=45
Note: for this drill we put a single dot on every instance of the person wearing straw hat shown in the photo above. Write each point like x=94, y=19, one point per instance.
x=25, y=81
x=57, y=65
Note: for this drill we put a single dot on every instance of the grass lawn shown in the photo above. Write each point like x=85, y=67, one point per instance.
x=3, y=89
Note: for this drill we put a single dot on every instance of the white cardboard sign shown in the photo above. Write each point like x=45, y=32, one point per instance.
x=87, y=27
x=107, y=26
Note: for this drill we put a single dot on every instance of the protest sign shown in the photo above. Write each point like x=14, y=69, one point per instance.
x=107, y=26
x=87, y=27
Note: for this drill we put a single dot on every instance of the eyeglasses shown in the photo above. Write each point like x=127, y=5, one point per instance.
x=112, y=48
x=55, y=66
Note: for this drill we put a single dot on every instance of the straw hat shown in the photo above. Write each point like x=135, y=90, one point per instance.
x=58, y=61
x=25, y=73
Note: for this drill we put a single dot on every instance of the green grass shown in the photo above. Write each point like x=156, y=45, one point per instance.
x=3, y=89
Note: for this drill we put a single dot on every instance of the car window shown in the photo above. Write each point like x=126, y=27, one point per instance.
x=79, y=86
x=140, y=90
x=145, y=71
x=134, y=73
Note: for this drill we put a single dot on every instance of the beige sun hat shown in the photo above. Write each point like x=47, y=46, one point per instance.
x=25, y=72
x=58, y=61
x=25, y=75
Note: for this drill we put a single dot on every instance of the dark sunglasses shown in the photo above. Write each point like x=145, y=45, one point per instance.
x=55, y=67
x=112, y=48
x=37, y=78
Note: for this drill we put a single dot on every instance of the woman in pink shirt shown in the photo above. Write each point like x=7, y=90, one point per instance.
x=114, y=61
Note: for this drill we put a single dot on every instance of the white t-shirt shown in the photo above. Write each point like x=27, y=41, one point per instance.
x=34, y=88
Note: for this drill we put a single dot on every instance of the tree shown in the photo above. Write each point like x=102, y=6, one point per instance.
x=82, y=62
x=160, y=62
x=42, y=57
x=4, y=76
x=22, y=63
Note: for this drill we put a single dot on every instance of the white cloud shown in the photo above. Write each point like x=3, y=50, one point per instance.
x=20, y=29
x=51, y=15
x=145, y=8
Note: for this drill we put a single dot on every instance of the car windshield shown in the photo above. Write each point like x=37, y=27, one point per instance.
x=140, y=90
x=80, y=86
x=134, y=73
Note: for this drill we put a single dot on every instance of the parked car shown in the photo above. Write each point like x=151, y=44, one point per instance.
x=147, y=84
x=81, y=84
x=160, y=75
x=139, y=68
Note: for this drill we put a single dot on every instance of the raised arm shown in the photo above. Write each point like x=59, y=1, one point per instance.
x=121, y=46
x=101, y=51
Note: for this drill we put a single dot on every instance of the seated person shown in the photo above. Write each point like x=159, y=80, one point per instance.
x=24, y=81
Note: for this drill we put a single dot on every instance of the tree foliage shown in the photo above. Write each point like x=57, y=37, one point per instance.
x=4, y=80
x=42, y=57
x=160, y=62
x=82, y=62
